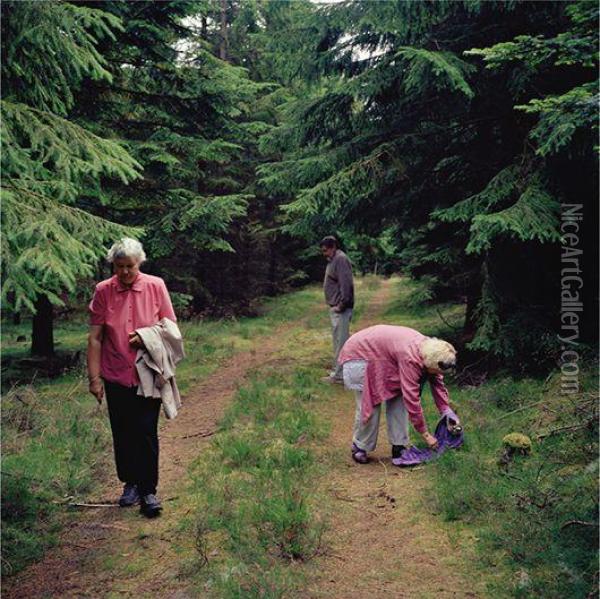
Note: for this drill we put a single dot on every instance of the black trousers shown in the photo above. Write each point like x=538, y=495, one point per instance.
x=134, y=423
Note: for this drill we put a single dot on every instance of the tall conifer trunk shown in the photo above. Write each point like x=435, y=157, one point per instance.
x=42, y=334
x=224, y=41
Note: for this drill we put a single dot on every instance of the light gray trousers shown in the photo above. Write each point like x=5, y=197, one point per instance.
x=365, y=434
x=340, y=330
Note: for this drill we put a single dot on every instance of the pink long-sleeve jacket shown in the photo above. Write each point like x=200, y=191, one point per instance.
x=394, y=367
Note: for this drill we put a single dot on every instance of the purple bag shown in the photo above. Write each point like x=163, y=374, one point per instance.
x=448, y=438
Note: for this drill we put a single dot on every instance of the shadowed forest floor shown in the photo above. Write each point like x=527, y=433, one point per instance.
x=381, y=538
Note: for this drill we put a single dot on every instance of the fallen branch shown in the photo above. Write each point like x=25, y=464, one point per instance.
x=579, y=522
x=72, y=504
x=562, y=429
x=531, y=405
x=200, y=434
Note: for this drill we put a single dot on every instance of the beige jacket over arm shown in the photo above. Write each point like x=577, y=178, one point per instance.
x=156, y=361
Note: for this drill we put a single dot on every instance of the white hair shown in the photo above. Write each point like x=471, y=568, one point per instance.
x=126, y=248
x=438, y=354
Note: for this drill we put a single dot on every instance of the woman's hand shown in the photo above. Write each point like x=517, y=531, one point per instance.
x=431, y=441
x=97, y=388
x=135, y=340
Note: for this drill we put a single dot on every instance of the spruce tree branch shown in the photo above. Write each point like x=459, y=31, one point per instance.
x=148, y=94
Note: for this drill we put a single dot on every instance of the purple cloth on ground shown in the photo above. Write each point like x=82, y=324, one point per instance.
x=413, y=455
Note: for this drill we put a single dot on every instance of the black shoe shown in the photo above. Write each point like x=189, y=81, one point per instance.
x=130, y=496
x=397, y=451
x=150, y=506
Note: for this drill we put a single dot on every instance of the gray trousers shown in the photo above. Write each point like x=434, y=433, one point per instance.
x=396, y=416
x=340, y=330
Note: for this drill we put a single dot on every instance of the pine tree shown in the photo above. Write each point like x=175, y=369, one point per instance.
x=49, y=242
x=186, y=116
x=464, y=162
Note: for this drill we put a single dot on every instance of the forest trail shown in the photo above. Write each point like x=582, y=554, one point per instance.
x=382, y=539
x=83, y=562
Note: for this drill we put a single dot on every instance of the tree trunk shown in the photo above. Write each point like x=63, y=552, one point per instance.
x=470, y=326
x=42, y=334
x=224, y=41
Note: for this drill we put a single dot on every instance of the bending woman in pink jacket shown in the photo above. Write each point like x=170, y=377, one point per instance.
x=390, y=364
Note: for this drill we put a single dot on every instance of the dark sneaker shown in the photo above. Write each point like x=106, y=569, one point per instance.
x=397, y=453
x=150, y=506
x=359, y=455
x=130, y=496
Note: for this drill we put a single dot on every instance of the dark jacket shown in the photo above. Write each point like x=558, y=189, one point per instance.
x=338, y=284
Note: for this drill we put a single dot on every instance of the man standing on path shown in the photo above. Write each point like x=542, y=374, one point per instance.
x=339, y=295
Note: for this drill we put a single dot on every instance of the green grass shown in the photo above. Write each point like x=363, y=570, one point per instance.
x=537, y=517
x=442, y=320
x=254, y=510
x=538, y=514
x=253, y=490
x=56, y=439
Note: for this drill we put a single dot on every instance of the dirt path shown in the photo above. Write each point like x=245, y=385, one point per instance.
x=113, y=552
x=383, y=538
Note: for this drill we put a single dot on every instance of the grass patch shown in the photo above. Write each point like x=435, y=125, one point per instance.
x=255, y=511
x=537, y=515
x=440, y=320
x=52, y=435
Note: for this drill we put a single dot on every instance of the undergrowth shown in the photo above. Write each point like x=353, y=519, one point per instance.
x=536, y=514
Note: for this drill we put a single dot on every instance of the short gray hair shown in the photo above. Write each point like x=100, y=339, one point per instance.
x=126, y=248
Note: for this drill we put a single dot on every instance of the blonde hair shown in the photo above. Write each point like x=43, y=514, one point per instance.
x=438, y=354
x=126, y=248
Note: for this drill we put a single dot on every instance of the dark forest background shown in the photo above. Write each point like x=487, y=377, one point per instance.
x=435, y=139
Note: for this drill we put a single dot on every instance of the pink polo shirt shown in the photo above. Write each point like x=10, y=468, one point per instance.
x=394, y=367
x=122, y=310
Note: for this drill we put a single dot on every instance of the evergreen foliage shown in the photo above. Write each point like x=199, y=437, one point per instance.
x=49, y=242
x=192, y=121
x=440, y=138
x=462, y=127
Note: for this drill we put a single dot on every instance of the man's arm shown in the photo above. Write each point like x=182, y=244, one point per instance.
x=345, y=282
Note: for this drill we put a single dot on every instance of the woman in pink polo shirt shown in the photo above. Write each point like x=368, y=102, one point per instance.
x=129, y=300
x=390, y=364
